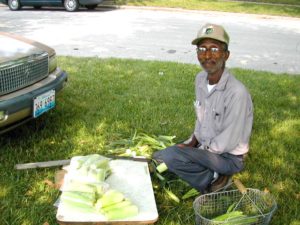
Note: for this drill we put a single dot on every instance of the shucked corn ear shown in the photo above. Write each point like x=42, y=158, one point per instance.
x=78, y=186
x=162, y=168
x=227, y=216
x=172, y=195
x=116, y=206
x=109, y=198
x=90, y=167
x=70, y=205
x=80, y=197
x=121, y=213
x=74, y=185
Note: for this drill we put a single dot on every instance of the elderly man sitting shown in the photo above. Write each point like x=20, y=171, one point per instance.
x=224, y=116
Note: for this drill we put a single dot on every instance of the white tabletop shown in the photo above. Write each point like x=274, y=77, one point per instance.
x=132, y=178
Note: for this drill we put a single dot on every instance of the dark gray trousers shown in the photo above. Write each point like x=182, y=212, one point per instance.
x=197, y=166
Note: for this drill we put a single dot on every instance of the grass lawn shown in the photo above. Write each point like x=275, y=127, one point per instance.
x=268, y=7
x=109, y=99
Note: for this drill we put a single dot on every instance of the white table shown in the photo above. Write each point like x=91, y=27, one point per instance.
x=132, y=178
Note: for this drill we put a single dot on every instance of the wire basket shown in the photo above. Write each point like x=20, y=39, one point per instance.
x=257, y=207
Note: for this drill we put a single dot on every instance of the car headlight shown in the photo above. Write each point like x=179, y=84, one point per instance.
x=3, y=116
x=52, y=63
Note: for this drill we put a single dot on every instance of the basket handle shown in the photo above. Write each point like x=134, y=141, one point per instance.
x=240, y=186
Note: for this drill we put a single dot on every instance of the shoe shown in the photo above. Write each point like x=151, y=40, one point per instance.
x=221, y=183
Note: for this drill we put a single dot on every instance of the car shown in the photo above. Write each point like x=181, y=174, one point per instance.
x=29, y=80
x=70, y=5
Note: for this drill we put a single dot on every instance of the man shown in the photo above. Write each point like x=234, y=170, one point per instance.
x=224, y=116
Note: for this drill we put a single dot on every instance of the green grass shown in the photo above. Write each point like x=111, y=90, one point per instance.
x=291, y=9
x=109, y=99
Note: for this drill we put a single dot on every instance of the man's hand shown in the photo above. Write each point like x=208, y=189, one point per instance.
x=192, y=143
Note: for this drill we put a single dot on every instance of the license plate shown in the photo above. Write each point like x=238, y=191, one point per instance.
x=43, y=103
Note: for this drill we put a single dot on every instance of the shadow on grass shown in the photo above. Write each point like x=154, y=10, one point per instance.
x=109, y=98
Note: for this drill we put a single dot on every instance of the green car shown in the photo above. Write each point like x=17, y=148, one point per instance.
x=70, y=5
x=29, y=80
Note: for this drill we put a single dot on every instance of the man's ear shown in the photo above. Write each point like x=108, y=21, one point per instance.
x=227, y=54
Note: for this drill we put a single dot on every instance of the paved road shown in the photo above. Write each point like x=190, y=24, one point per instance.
x=257, y=42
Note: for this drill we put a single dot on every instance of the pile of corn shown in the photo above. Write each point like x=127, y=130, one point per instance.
x=234, y=216
x=85, y=190
x=140, y=145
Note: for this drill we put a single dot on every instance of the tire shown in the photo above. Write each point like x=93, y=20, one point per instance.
x=71, y=5
x=14, y=5
x=91, y=7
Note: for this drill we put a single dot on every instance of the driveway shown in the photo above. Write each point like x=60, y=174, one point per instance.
x=257, y=42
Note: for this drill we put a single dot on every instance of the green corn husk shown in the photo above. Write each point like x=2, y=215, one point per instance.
x=240, y=219
x=109, y=198
x=122, y=213
x=227, y=216
x=141, y=144
x=191, y=193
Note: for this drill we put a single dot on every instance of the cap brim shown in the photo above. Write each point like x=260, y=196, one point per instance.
x=197, y=40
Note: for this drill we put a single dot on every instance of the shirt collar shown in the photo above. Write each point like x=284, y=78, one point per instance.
x=223, y=81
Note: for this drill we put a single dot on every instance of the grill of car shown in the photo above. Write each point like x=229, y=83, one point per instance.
x=23, y=72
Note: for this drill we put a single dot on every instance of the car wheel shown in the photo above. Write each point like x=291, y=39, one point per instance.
x=71, y=5
x=14, y=4
x=91, y=6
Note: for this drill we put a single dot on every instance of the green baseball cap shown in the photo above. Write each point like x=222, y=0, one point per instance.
x=212, y=31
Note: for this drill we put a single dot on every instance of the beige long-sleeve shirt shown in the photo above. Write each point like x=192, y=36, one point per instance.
x=224, y=115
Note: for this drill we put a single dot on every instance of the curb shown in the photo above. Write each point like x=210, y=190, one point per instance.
x=157, y=8
x=261, y=3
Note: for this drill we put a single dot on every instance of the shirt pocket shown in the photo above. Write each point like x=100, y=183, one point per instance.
x=217, y=116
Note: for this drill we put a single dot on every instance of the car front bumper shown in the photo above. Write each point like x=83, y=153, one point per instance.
x=18, y=106
x=90, y=2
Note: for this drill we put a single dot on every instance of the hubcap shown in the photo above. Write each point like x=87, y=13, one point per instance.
x=14, y=3
x=71, y=4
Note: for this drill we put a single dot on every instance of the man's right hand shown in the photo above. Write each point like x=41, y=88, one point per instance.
x=192, y=143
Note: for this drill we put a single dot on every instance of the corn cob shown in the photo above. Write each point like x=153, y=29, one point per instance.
x=80, y=197
x=101, y=163
x=172, y=195
x=97, y=174
x=227, y=216
x=161, y=168
x=74, y=185
x=121, y=213
x=91, y=159
x=70, y=205
x=118, y=205
x=231, y=207
x=109, y=198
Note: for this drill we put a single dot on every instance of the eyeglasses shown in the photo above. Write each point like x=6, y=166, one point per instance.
x=213, y=51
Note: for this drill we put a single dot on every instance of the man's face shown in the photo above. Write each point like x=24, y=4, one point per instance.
x=212, y=55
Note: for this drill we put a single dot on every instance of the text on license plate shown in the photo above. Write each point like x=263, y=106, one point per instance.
x=43, y=103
